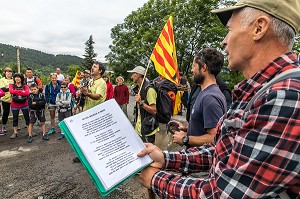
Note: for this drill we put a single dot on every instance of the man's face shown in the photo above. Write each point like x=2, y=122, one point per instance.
x=81, y=75
x=135, y=77
x=238, y=44
x=34, y=90
x=58, y=71
x=29, y=73
x=198, y=77
x=95, y=70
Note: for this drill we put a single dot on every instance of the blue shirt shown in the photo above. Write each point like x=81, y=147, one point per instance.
x=209, y=107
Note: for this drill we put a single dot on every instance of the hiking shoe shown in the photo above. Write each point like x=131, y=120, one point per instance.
x=13, y=136
x=2, y=133
x=51, y=131
x=45, y=137
x=61, y=136
x=4, y=129
x=76, y=160
x=29, y=139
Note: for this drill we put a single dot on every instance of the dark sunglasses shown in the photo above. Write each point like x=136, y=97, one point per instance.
x=63, y=87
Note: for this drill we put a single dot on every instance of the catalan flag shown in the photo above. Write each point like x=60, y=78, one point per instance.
x=164, y=54
x=76, y=80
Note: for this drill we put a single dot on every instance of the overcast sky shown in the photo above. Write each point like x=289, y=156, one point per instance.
x=62, y=26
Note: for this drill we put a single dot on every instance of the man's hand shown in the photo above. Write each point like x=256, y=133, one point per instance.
x=155, y=154
x=137, y=98
x=147, y=175
x=84, y=90
x=180, y=125
x=177, y=137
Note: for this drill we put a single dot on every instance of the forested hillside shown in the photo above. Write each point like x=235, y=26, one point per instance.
x=37, y=60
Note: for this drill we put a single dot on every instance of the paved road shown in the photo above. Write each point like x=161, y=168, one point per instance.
x=44, y=169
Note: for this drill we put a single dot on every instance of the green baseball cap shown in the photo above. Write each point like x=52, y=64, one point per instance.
x=285, y=10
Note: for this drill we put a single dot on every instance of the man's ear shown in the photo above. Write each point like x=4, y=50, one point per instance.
x=261, y=26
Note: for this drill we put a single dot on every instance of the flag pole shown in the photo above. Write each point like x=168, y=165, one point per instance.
x=149, y=62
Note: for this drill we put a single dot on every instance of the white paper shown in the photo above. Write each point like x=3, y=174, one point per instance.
x=109, y=142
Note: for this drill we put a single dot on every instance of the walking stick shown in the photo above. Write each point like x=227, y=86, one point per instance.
x=150, y=192
x=144, y=76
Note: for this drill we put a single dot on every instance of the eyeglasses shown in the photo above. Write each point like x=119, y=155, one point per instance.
x=63, y=87
x=9, y=71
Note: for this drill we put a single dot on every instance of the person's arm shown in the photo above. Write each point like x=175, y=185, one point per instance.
x=2, y=93
x=72, y=89
x=58, y=100
x=47, y=93
x=25, y=91
x=67, y=102
x=195, y=140
x=39, y=83
x=260, y=158
x=151, y=99
x=41, y=102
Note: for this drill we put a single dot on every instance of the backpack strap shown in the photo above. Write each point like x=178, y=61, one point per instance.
x=237, y=123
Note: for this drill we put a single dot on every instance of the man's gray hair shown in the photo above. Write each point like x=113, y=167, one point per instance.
x=284, y=32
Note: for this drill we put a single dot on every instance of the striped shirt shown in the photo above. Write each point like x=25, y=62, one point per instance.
x=259, y=160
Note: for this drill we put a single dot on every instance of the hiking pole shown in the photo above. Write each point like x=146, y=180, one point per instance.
x=150, y=192
x=149, y=62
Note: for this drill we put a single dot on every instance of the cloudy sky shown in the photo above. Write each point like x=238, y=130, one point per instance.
x=62, y=26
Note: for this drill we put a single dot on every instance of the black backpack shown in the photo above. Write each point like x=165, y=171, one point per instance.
x=166, y=92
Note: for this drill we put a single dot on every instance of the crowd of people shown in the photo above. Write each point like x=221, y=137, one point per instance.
x=248, y=152
x=26, y=93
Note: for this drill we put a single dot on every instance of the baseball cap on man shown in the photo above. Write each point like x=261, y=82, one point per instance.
x=139, y=70
x=285, y=10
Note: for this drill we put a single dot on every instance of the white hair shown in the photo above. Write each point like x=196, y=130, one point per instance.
x=284, y=32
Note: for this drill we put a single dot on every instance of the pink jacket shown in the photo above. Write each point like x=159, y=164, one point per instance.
x=21, y=92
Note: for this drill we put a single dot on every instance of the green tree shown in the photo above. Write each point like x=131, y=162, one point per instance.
x=194, y=28
x=89, y=56
x=73, y=69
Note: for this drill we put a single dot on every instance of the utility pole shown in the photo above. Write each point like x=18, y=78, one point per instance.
x=18, y=59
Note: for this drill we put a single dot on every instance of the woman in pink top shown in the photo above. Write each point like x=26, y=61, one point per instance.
x=70, y=85
x=19, y=92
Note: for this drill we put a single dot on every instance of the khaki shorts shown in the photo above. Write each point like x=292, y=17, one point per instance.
x=52, y=107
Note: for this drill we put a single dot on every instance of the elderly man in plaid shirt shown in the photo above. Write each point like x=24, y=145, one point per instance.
x=261, y=159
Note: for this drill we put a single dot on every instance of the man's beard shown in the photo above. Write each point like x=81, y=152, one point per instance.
x=199, y=78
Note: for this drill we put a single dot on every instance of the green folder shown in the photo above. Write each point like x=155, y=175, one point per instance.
x=86, y=164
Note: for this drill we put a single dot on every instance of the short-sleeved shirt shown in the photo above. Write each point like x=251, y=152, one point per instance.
x=209, y=107
x=95, y=87
x=151, y=99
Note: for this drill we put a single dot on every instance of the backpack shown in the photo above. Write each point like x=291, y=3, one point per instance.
x=166, y=92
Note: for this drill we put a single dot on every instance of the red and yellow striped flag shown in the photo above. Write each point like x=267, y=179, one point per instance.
x=164, y=54
x=76, y=80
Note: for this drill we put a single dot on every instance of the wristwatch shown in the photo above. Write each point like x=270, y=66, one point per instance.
x=185, y=140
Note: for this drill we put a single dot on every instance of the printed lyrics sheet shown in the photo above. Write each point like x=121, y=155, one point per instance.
x=109, y=142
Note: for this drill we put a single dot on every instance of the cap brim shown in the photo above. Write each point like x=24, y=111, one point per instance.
x=130, y=71
x=224, y=14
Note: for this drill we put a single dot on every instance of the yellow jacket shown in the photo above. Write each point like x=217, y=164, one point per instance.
x=5, y=83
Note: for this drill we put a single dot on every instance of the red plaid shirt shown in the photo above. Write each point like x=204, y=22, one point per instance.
x=262, y=159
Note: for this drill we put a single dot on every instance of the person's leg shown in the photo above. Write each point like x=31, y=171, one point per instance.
x=26, y=115
x=15, y=123
x=5, y=109
x=52, y=120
